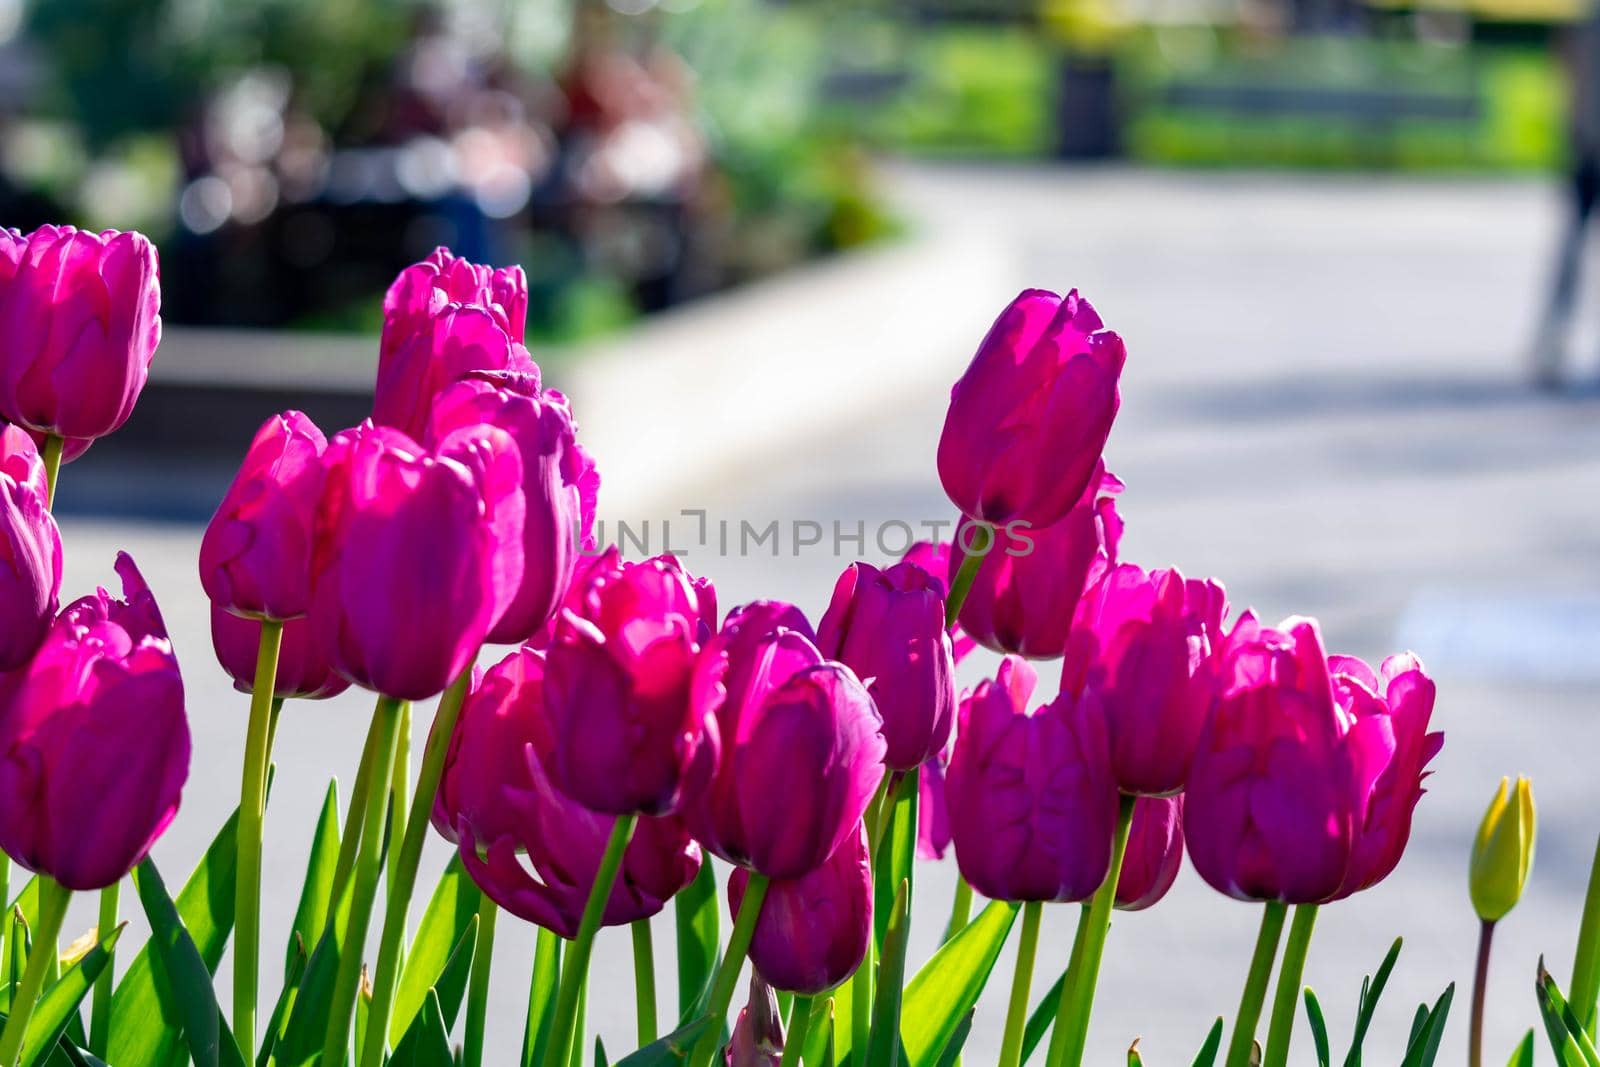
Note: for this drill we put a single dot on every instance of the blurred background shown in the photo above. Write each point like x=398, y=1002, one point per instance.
x=1344, y=240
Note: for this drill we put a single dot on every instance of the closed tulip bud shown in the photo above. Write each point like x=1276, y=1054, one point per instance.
x=934, y=557
x=888, y=627
x=1030, y=416
x=1154, y=854
x=552, y=468
x=1033, y=808
x=81, y=315
x=802, y=745
x=1502, y=853
x=530, y=847
x=1144, y=640
x=1391, y=746
x=255, y=557
x=629, y=738
x=442, y=319
x=95, y=739
x=813, y=930
x=30, y=550
x=1030, y=580
x=933, y=809
x=757, y=1036
x=304, y=671
x=417, y=554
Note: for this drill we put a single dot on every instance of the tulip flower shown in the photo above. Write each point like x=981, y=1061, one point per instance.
x=1502, y=853
x=629, y=738
x=1390, y=713
x=1033, y=807
x=417, y=554
x=442, y=319
x=81, y=315
x=304, y=671
x=934, y=557
x=552, y=468
x=813, y=930
x=757, y=1036
x=1029, y=582
x=802, y=746
x=888, y=627
x=30, y=550
x=933, y=809
x=1029, y=418
x=1155, y=852
x=1144, y=640
x=95, y=738
x=255, y=557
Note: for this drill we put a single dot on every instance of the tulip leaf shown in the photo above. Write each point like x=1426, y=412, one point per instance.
x=958, y=1041
x=1042, y=1016
x=896, y=851
x=1207, y=1056
x=146, y=1018
x=306, y=1018
x=1523, y=1056
x=948, y=985
x=426, y=1043
x=1367, y=1003
x=1567, y=1035
x=451, y=910
x=181, y=967
x=1319, y=1027
x=316, y=892
x=27, y=903
x=59, y=1004
x=697, y=915
x=1424, y=1046
x=1134, y=1059
x=21, y=943
x=542, y=996
x=668, y=1051
x=600, y=1053
x=883, y=1043
x=291, y=983
x=816, y=1046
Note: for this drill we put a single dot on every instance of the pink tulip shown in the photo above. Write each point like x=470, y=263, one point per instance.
x=1030, y=416
x=813, y=930
x=933, y=809
x=81, y=315
x=255, y=557
x=1033, y=808
x=1144, y=640
x=303, y=668
x=757, y=1037
x=1028, y=584
x=417, y=554
x=30, y=550
x=802, y=748
x=934, y=557
x=531, y=848
x=94, y=739
x=628, y=736
x=888, y=627
x=1154, y=854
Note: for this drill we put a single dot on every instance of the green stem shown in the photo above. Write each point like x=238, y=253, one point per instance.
x=53, y=899
x=252, y=807
x=1077, y=997
x=575, y=1057
x=575, y=968
x=364, y=889
x=399, y=798
x=403, y=876
x=478, y=991
x=744, y=928
x=272, y=729
x=799, y=1027
x=350, y=841
x=1280, y=1031
x=51, y=454
x=546, y=976
x=1255, y=983
x=100, y=1007
x=1021, y=986
x=1586, y=964
x=644, y=981
x=861, y=1004
x=1480, y=989
x=960, y=908
x=968, y=571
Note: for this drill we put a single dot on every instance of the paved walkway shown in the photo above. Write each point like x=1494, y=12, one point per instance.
x=1323, y=407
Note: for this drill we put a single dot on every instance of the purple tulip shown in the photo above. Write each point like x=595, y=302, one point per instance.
x=531, y=848
x=1390, y=711
x=1144, y=640
x=1030, y=416
x=1033, y=808
x=81, y=315
x=934, y=557
x=552, y=468
x=1029, y=582
x=442, y=319
x=933, y=808
x=94, y=743
x=629, y=738
x=757, y=1036
x=802, y=745
x=888, y=627
x=1271, y=801
x=255, y=557
x=813, y=930
x=30, y=550
x=417, y=554
x=1154, y=854
x=303, y=668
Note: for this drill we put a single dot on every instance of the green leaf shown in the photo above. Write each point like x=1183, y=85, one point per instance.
x=181, y=966
x=816, y=1047
x=1042, y=1016
x=21, y=943
x=542, y=996
x=452, y=984
x=26, y=902
x=895, y=854
x=59, y=1004
x=426, y=1043
x=670, y=1050
x=1207, y=1056
x=306, y=1024
x=883, y=1043
x=452, y=908
x=146, y=1018
x=297, y=970
x=600, y=1053
x=1523, y=1056
x=316, y=892
x=697, y=915
x=958, y=1040
x=1425, y=1047
x=948, y=985
x=1560, y=1019
x=1367, y=1003
x=1134, y=1059
x=1319, y=1027
x=1569, y=1017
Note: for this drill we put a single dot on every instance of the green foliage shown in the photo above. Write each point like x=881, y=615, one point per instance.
x=697, y=913
x=58, y=1006
x=668, y=1051
x=1427, y=1030
x=426, y=1042
x=948, y=985
x=311, y=915
x=435, y=956
x=1210, y=1047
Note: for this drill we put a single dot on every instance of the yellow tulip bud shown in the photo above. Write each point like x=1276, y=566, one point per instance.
x=1503, y=852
